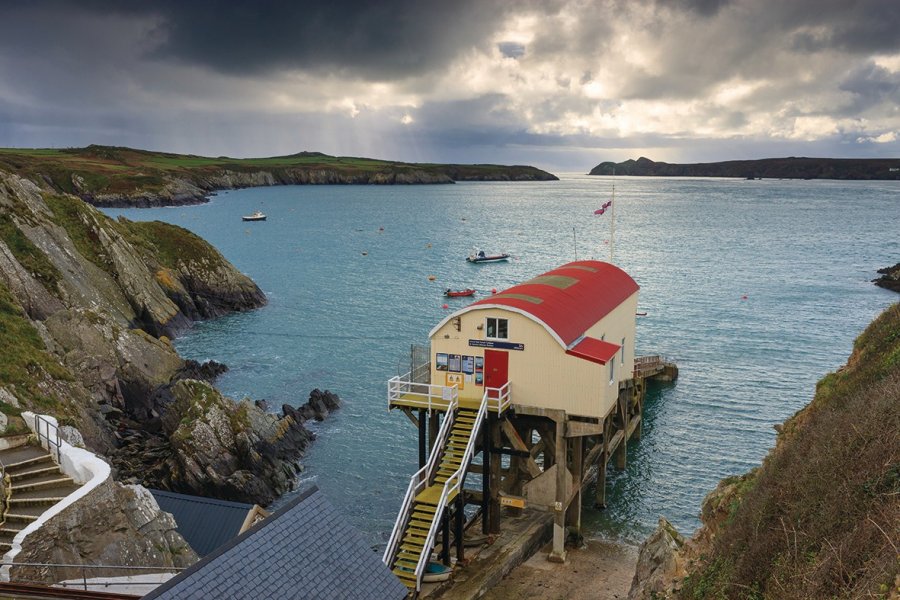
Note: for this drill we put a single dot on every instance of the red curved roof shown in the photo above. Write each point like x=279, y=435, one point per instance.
x=567, y=300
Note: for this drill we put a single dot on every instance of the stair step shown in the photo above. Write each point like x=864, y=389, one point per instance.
x=39, y=471
x=405, y=563
x=19, y=518
x=37, y=485
x=411, y=547
x=49, y=501
x=405, y=576
x=28, y=463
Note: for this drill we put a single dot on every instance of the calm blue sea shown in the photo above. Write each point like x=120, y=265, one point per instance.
x=756, y=289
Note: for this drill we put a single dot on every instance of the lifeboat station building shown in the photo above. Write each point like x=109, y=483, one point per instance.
x=526, y=396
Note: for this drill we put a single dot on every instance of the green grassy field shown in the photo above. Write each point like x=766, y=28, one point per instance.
x=108, y=170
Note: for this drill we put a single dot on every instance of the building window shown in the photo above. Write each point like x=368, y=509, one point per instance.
x=622, y=355
x=497, y=328
x=612, y=371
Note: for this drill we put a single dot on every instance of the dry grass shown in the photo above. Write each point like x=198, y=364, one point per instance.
x=823, y=519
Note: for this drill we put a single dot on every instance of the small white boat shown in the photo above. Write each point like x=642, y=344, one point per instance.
x=479, y=256
x=257, y=216
x=435, y=571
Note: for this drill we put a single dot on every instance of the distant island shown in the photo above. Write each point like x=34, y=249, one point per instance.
x=768, y=168
x=116, y=176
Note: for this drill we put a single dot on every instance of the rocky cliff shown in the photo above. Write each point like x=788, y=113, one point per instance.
x=821, y=517
x=113, y=176
x=890, y=278
x=768, y=168
x=114, y=525
x=88, y=307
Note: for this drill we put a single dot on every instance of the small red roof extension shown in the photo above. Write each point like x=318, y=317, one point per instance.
x=594, y=350
x=568, y=308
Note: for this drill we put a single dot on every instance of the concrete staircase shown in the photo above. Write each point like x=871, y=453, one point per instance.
x=33, y=483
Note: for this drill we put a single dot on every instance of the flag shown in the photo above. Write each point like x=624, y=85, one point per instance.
x=603, y=208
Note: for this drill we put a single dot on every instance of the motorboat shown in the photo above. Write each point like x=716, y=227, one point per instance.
x=459, y=293
x=479, y=256
x=257, y=216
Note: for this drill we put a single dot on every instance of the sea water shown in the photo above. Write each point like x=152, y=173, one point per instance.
x=755, y=288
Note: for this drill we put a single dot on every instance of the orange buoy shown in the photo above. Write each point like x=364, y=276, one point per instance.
x=493, y=290
x=431, y=278
x=445, y=306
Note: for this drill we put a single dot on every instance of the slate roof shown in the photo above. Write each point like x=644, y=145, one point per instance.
x=305, y=550
x=205, y=523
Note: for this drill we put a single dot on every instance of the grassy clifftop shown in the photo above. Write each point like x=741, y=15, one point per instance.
x=821, y=517
x=115, y=175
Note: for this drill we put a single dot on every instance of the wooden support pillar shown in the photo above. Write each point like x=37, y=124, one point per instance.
x=558, y=553
x=494, y=504
x=622, y=450
x=423, y=437
x=638, y=390
x=600, y=496
x=573, y=513
x=434, y=426
x=459, y=523
x=445, y=541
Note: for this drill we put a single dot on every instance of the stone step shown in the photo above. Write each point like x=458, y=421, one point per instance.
x=57, y=491
x=16, y=503
x=12, y=517
x=42, y=483
x=27, y=463
x=38, y=471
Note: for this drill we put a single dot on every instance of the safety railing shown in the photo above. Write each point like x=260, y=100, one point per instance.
x=498, y=399
x=87, y=576
x=453, y=484
x=418, y=482
x=420, y=395
x=49, y=432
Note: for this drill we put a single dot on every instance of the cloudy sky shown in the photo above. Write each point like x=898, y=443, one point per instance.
x=562, y=84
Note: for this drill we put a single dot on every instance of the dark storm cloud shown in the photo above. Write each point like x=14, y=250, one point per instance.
x=370, y=39
x=871, y=85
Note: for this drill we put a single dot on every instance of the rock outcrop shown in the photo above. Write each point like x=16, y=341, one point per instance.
x=666, y=557
x=205, y=444
x=89, y=304
x=114, y=525
x=890, y=278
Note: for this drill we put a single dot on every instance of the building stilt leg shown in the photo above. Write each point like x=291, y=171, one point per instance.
x=558, y=553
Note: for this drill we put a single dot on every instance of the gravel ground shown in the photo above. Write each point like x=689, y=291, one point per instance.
x=597, y=571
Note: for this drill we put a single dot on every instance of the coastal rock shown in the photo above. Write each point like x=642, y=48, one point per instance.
x=890, y=278
x=210, y=445
x=114, y=525
x=660, y=564
x=319, y=406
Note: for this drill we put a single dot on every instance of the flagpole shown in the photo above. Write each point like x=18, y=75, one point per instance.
x=612, y=225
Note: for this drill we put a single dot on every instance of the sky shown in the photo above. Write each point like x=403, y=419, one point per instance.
x=560, y=84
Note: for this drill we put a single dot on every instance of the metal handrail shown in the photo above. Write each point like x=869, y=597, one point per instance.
x=418, y=482
x=57, y=442
x=402, y=384
x=84, y=568
x=502, y=398
x=453, y=483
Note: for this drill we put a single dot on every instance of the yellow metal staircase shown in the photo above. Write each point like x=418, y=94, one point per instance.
x=430, y=492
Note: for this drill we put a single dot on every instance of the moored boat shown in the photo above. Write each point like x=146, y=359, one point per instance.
x=459, y=293
x=257, y=216
x=479, y=256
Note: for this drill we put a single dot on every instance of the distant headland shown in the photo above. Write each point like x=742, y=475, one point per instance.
x=116, y=176
x=768, y=168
